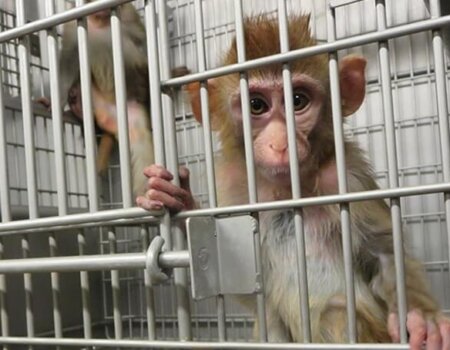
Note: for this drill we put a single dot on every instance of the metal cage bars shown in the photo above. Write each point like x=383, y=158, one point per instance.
x=343, y=199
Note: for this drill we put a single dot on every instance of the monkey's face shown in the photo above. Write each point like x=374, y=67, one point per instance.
x=99, y=20
x=268, y=118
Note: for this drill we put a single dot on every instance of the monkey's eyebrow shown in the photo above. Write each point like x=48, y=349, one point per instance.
x=305, y=79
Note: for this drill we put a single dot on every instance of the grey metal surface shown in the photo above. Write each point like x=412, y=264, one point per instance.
x=388, y=112
x=341, y=169
x=122, y=112
x=179, y=240
x=88, y=115
x=295, y=177
x=322, y=200
x=222, y=256
x=442, y=106
x=250, y=163
x=110, y=217
x=92, y=262
x=193, y=345
x=340, y=44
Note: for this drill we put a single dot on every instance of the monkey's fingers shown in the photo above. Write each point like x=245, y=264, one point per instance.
x=156, y=170
x=417, y=328
x=148, y=204
x=434, y=339
x=183, y=172
x=444, y=328
x=45, y=102
x=168, y=188
x=394, y=327
x=172, y=203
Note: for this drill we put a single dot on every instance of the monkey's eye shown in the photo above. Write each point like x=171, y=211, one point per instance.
x=258, y=106
x=301, y=100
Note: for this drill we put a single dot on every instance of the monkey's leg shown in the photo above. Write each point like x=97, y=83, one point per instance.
x=277, y=332
x=141, y=144
x=333, y=326
x=105, y=149
x=141, y=140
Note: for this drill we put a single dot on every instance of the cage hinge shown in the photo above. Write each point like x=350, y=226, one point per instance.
x=155, y=273
x=222, y=255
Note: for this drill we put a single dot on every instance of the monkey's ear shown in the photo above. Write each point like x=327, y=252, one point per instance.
x=194, y=93
x=352, y=82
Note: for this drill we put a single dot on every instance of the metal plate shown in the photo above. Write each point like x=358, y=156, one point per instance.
x=222, y=256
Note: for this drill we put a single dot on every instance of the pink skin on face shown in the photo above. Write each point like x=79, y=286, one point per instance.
x=269, y=124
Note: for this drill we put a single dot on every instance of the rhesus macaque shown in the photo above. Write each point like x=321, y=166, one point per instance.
x=375, y=285
x=103, y=93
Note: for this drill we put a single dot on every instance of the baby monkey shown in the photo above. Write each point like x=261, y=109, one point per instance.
x=373, y=258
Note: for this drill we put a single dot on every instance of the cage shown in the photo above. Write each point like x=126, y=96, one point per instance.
x=82, y=267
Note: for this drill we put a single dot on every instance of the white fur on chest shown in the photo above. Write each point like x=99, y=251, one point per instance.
x=324, y=262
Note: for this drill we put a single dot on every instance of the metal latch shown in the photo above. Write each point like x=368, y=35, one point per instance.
x=222, y=255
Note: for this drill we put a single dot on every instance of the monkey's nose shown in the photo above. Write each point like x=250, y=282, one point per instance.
x=279, y=148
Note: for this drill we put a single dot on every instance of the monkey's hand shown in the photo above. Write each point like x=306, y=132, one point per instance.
x=44, y=101
x=433, y=330
x=162, y=192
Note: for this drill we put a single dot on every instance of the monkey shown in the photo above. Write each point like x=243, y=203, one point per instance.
x=371, y=227
x=103, y=94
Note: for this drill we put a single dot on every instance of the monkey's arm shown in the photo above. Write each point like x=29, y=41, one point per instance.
x=425, y=323
x=424, y=319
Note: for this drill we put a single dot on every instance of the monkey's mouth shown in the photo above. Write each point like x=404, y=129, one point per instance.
x=279, y=173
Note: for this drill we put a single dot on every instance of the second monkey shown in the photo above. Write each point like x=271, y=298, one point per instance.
x=103, y=94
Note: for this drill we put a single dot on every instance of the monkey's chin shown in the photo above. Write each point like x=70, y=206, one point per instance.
x=277, y=174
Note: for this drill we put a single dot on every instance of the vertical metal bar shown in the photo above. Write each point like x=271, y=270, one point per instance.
x=85, y=290
x=149, y=293
x=89, y=139
x=57, y=319
x=206, y=120
x=207, y=135
x=180, y=274
x=115, y=287
x=295, y=176
x=27, y=113
x=28, y=123
x=5, y=210
x=250, y=163
x=121, y=105
x=441, y=95
x=342, y=178
x=4, y=180
x=57, y=122
x=88, y=116
x=156, y=105
x=57, y=118
x=388, y=112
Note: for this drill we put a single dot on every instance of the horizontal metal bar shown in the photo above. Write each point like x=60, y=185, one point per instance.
x=93, y=262
x=59, y=18
x=114, y=216
x=322, y=200
x=338, y=3
x=145, y=344
x=311, y=51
